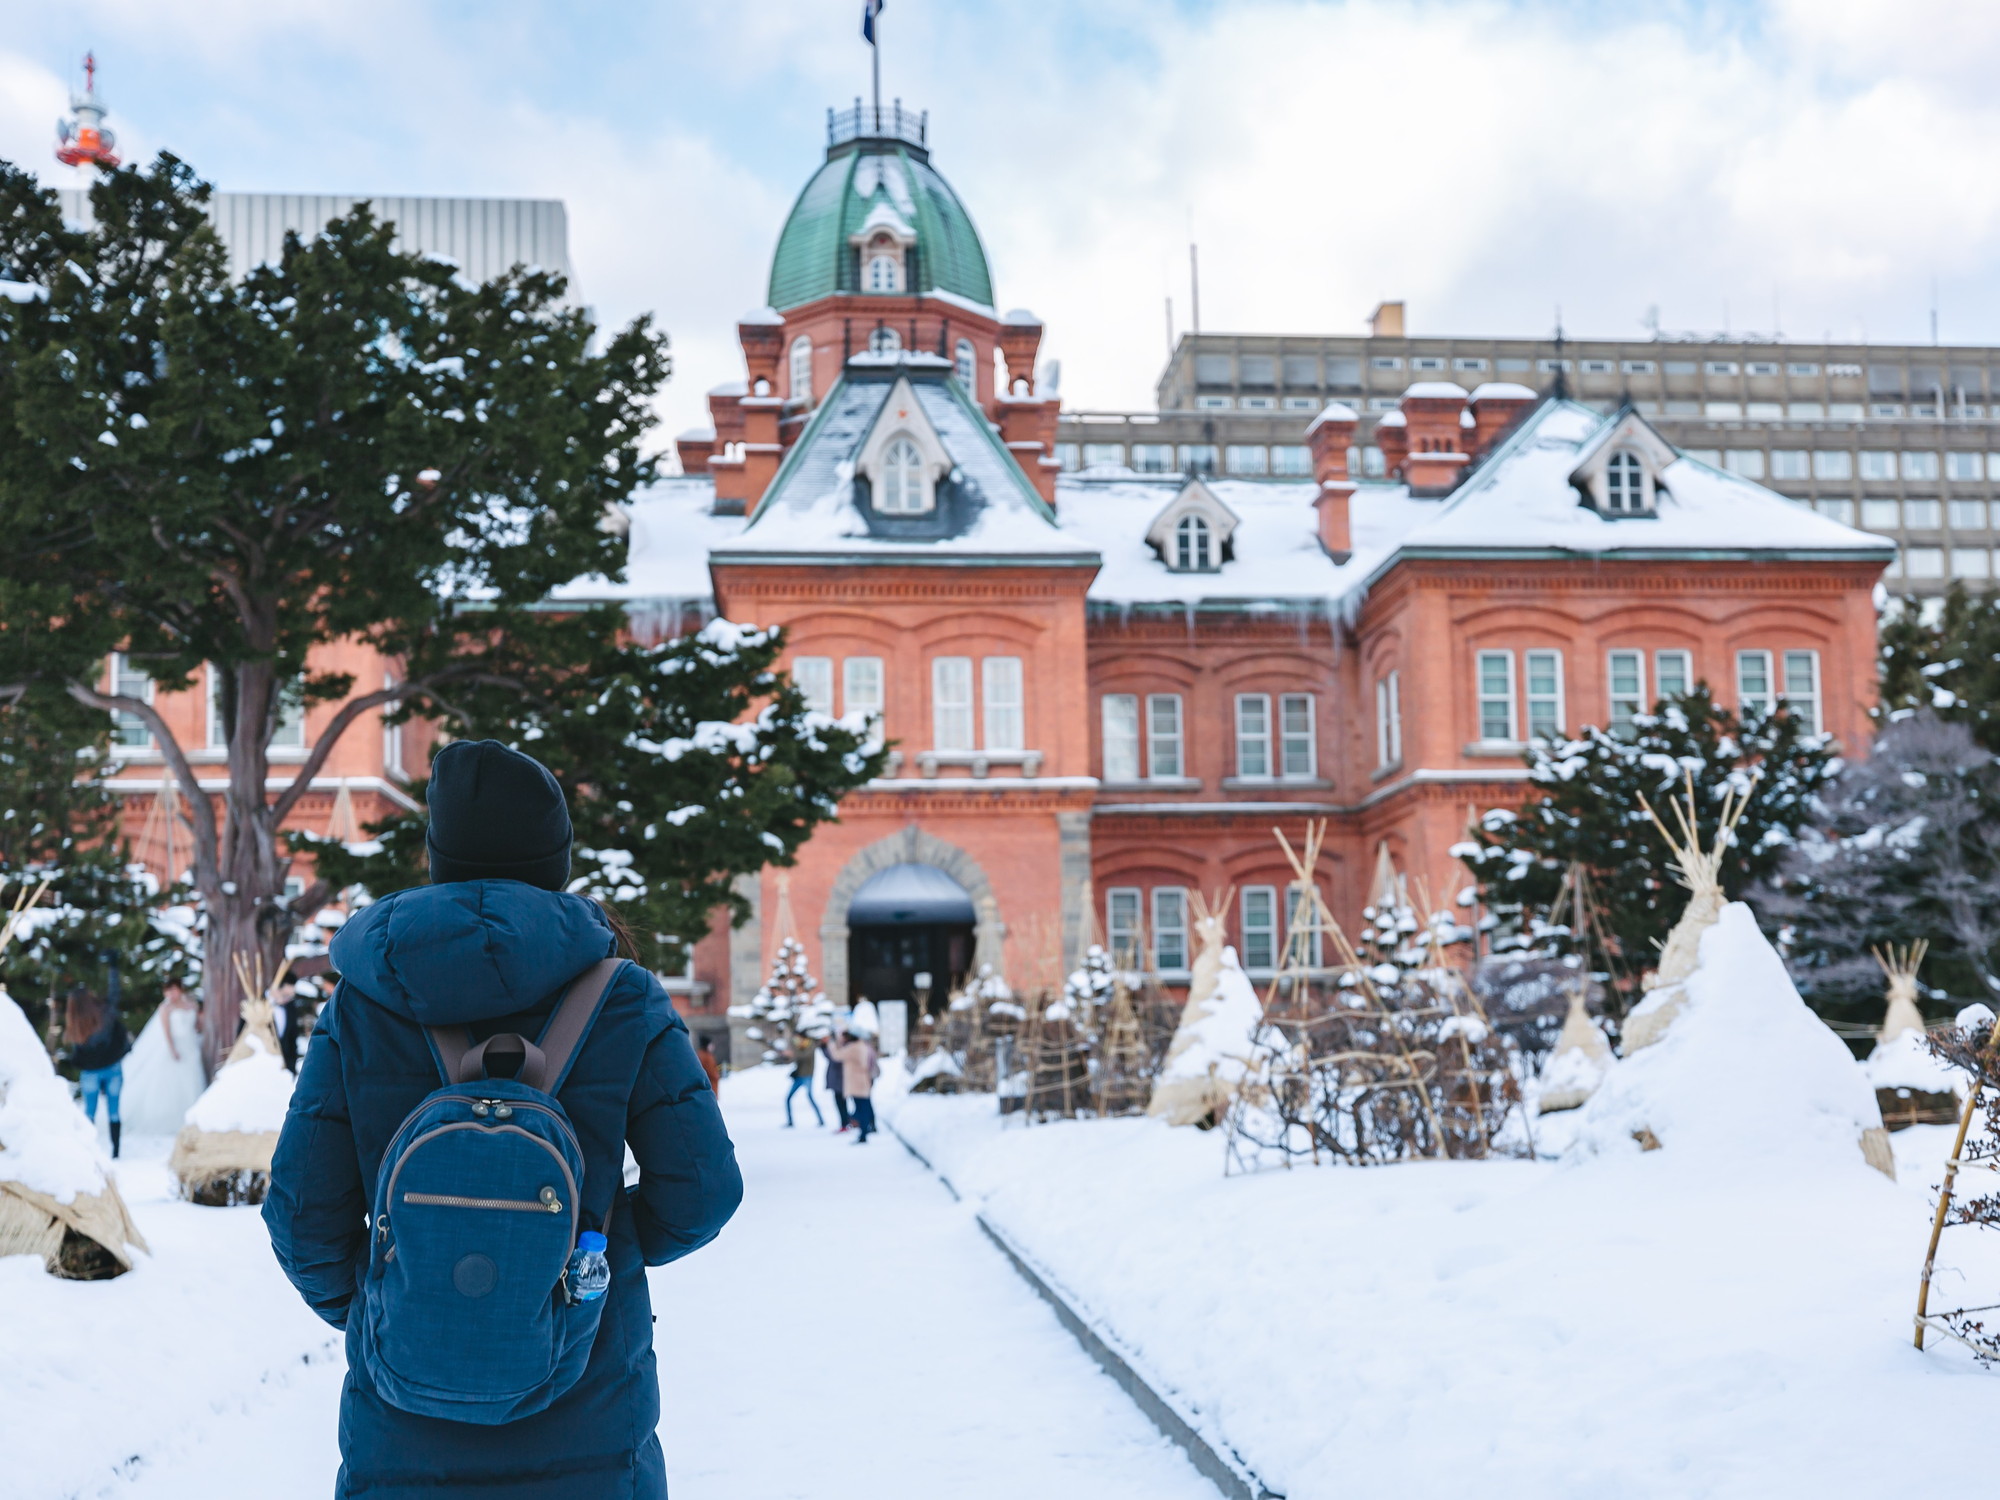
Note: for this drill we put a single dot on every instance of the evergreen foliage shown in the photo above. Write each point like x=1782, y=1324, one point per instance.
x=59, y=822
x=1910, y=849
x=1944, y=658
x=1585, y=808
x=687, y=764
x=789, y=1003
x=216, y=475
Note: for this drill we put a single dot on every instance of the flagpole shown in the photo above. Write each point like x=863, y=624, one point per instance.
x=875, y=65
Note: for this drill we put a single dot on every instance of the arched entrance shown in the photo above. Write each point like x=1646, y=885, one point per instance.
x=908, y=846
x=909, y=936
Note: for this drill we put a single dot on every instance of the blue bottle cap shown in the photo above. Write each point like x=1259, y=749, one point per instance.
x=590, y=1240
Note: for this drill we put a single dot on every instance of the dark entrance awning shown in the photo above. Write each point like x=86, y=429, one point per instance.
x=910, y=895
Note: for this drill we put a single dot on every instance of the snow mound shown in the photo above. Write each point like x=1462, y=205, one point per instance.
x=1212, y=1051
x=46, y=1144
x=1746, y=1070
x=249, y=1095
x=1906, y=1062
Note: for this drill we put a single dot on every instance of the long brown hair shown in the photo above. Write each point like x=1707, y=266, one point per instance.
x=83, y=1014
x=628, y=946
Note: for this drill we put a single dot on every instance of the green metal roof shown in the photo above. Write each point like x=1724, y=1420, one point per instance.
x=814, y=257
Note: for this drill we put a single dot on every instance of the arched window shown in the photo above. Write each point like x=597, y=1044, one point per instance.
x=1191, y=545
x=882, y=275
x=902, y=487
x=884, y=341
x=1624, y=484
x=968, y=367
x=802, y=368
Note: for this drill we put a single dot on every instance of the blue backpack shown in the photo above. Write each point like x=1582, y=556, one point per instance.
x=465, y=1310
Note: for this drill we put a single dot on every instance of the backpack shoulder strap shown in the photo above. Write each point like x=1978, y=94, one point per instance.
x=572, y=1021
x=545, y=1062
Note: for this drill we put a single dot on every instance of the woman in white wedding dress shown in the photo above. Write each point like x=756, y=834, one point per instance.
x=163, y=1072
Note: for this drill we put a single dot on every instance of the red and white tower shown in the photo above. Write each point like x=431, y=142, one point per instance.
x=82, y=140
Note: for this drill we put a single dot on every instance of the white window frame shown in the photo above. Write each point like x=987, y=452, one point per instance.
x=1625, y=487
x=1194, y=544
x=1389, y=720
x=801, y=369
x=884, y=340
x=1546, y=711
x=1124, y=924
x=813, y=677
x=1119, y=713
x=1316, y=946
x=863, y=690
x=1505, y=702
x=290, y=731
x=1623, y=707
x=882, y=273
x=1298, y=748
x=1759, y=662
x=392, y=734
x=1170, y=929
x=1004, y=696
x=1806, y=704
x=951, y=703
x=1166, y=741
x=966, y=365
x=904, y=488
x=1663, y=674
x=211, y=678
x=128, y=730
x=1259, y=923
x=1253, y=740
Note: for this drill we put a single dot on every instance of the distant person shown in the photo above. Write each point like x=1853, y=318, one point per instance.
x=163, y=1074
x=285, y=1009
x=97, y=1045
x=705, y=1054
x=804, y=1052
x=859, y=1065
x=493, y=1353
x=827, y=1045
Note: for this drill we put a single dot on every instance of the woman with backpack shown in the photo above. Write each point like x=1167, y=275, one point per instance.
x=858, y=1068
x=448, y=1187
x=98, y=1043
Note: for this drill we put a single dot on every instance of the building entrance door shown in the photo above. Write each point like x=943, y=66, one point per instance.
x=909, y=937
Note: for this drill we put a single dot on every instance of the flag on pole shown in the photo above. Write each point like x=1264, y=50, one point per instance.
x=870, y=9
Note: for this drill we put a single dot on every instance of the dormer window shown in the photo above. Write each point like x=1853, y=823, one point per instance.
x=1193, y=551
x=903, y=488
x=882, y=263
x=1625, y=484
x=881, y=274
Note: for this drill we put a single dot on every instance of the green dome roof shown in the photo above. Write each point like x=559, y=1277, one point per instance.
x=815, y=256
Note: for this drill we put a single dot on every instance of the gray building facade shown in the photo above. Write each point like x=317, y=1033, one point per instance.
x=1903, y=440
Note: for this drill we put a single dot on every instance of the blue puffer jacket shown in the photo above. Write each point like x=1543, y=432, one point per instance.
x=496, y=955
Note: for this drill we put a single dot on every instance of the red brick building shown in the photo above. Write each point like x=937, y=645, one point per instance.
x=1103, y=690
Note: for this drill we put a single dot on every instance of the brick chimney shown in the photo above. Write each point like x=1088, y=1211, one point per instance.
x=762, y=335
x=1028, y=428
x=1495, y=407
x=1436, y=454
x=695, y=447
x=1020, y=340
x=1329, y=437
x=1393, y=438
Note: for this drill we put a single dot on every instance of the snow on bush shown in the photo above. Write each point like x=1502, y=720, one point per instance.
x=1744, y=1071
x=46, y=1144
x=249, y=1095
x=1212, y=1051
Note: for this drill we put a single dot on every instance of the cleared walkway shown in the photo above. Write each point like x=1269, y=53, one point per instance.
x=852, y=1336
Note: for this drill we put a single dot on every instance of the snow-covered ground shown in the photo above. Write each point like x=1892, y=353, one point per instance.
x=1642, y=1325
x=852, y=1336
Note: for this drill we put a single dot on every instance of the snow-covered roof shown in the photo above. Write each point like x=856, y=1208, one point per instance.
x=986, y=506
x=1503, y=390
x=1519, y=501
x=1435, y=390
x=1336, y=411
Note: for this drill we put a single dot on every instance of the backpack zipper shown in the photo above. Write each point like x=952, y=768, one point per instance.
x=548, y=1203
x=569, y=1177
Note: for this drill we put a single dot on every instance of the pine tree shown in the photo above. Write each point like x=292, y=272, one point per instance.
x=1945, y=657
x=1585, y=809
x=59, y=823
x=687, y=764
x=789, y=1003
x=216, y=475
x=1910, y=850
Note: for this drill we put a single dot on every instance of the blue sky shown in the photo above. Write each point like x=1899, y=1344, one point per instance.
x=1820, y=162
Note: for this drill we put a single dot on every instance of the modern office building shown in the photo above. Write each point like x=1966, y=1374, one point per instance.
x=1901, y=440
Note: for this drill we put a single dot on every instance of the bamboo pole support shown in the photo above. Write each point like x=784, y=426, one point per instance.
x=1950, y=1178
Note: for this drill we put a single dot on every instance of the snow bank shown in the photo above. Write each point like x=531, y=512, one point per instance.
x=1906, y=1062
x=1745, y=1070
x=250, y=1095
x=46, y=1144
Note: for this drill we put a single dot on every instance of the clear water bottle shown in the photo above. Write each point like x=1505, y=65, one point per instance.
x=589, y=1271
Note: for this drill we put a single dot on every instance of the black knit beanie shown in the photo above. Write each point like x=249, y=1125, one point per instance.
x=496, y=814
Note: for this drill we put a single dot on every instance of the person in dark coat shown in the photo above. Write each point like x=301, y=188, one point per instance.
x=833, y=1076
x=492, y=944
x=98, y=1044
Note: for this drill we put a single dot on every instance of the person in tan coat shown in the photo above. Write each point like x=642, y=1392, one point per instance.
x=858, y=1066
